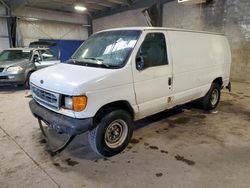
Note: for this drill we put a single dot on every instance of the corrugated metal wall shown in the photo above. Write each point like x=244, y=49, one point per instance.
x=32, y=31
x=4, y=39
x=50, y=25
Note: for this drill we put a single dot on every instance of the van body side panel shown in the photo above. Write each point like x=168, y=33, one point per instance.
x=198, y=59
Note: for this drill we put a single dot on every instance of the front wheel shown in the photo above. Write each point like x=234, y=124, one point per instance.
x=112, y=135
x=212, y=98
x=27, y=81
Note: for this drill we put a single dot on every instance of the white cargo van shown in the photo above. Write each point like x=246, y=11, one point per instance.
x=121, y=75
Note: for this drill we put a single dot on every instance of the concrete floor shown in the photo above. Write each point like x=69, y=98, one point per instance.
x=183, y=148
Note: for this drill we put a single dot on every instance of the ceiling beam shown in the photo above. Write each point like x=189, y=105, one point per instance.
x=101, y=3
x=68, y=6
x=62, y=10
x=121, y=8
x=120, y=2
x=15, y=4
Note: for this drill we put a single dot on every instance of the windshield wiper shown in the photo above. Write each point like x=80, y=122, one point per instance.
x=101, y=62
x=83, y=63
x=94, y=58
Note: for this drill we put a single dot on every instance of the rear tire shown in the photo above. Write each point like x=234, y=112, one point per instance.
x=112, y=135
x=212, y=98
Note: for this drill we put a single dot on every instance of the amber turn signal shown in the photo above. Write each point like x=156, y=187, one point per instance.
x=79, y=103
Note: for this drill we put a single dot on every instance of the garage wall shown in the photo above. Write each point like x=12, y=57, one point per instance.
x=4, y=39
x=51, y=25
x=32, y=31
x=125, y=19
x=231, y=17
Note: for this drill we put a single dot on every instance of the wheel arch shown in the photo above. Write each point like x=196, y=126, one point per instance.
x=218, y=81
x=29, y=71
x=122, y=105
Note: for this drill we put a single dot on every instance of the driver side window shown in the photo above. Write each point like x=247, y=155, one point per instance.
x=153, y=51
x=47, y=55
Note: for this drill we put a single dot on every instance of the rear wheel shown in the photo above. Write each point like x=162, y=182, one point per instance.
x=112, y=134
x=212, y=98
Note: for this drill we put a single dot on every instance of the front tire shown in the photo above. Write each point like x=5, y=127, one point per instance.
x=27, y=81
x=112, y=135
x=212, y=98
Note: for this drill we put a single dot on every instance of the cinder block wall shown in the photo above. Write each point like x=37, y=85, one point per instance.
x=231, y=17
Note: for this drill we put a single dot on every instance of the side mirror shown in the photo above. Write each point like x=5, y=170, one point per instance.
x=140, y=63
x=36, y=59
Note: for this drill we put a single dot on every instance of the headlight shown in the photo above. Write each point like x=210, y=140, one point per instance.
x=77, y=103
x=14, y=69
x=68, y=103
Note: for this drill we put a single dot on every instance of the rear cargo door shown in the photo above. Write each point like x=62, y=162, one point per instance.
x=152, y=71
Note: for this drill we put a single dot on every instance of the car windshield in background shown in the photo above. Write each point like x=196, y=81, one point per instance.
x=13, y=55
x=106, y=49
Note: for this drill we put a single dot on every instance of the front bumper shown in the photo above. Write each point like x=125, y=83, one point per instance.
x=60, y=123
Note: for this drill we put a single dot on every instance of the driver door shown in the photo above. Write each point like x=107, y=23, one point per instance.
x=152, y=72
x=37, y=59
x=47, y=59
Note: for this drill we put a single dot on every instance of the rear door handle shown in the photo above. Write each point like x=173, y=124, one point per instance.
x=169, y=81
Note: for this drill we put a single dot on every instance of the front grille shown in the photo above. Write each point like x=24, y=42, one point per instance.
x=46, y=97
x=1, y=69
x=4, y=77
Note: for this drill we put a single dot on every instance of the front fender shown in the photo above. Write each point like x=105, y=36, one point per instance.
x=29, y=70
x=98, y=99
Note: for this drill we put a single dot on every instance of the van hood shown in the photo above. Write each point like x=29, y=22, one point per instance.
x=69, y=79
x=5, y=64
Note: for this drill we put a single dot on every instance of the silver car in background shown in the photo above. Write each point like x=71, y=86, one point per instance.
x=17, y=64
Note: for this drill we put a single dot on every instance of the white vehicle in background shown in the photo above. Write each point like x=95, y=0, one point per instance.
x=121, y=75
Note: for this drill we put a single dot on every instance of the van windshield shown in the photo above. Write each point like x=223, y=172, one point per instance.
x=13, y=55
x=106, y=49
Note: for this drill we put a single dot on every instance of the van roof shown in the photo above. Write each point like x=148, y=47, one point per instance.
x=161, y=29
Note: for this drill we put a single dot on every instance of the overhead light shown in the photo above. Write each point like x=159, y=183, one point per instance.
x=80, y=8
x=32, y=19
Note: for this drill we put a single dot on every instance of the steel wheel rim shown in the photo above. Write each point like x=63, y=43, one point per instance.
x=116, y=133
x=214, y=97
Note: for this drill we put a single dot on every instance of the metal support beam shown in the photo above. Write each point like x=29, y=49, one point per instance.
x=90, y=27
x=154, y=15
x=160, y=16
x=9, y=31
x=6, y=6
x=135, y=5
x=8, y=20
